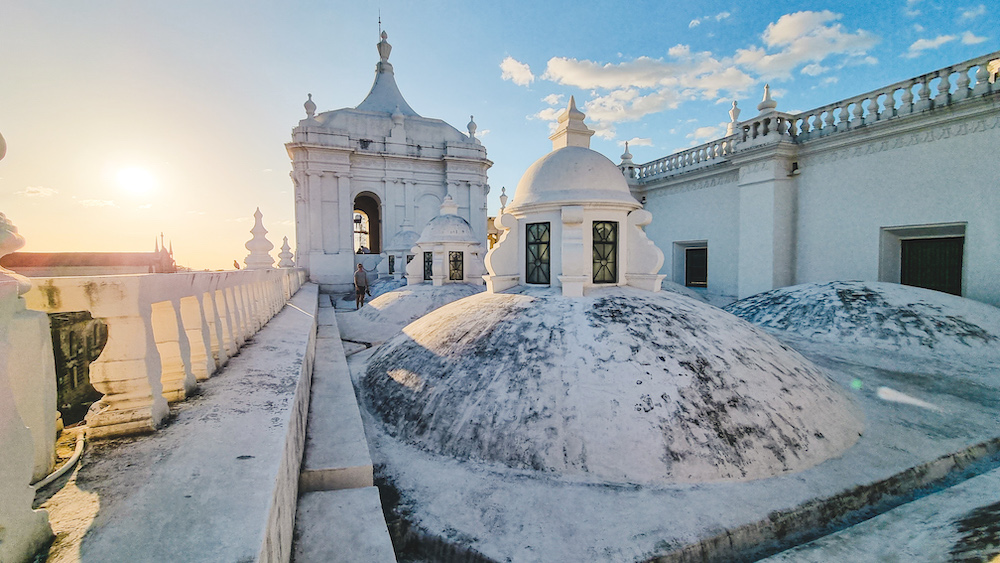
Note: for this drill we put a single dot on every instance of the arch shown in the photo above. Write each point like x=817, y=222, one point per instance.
x=368, y=208
x=428, y=207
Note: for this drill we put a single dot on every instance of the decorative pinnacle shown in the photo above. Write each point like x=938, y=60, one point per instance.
x=767, y=103
x=503, y=198
x=384, y=48
x=626, y=156
x=310, y=107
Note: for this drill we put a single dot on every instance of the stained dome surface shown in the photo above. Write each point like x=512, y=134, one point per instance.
x=622, y=385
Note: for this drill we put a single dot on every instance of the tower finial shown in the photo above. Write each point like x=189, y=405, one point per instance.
x=767, y=103
x=384, y=48
x=571, y=130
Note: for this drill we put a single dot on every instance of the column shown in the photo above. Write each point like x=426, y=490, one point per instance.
x=767, y=224
x=315, y=205
x=346, y=216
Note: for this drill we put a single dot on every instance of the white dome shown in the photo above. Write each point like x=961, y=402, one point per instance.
x=403, y=240
x=572, y=175
x=621, y=385
x=447, y=228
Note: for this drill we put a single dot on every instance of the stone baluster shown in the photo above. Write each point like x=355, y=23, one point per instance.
x=176, y=374
x=906, y=101
x=845, y=118
x=962, y=90
x=226, y=318
x=944, y=89
x=128, y=373
x=858, y=115
x=888, y=105
x=196, y=326
x=924, y=92
x=235, y=317
x=982, y=80
x=246, y=313
x=872, y=109
x=817, y=122
x=829, y=120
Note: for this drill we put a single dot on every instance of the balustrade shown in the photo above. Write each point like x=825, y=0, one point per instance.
x=166, y=332
x=689, y=159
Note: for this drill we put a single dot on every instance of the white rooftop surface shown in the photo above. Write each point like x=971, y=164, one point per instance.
x=959, y=523
x=341, y=527
x=912, y=416
x=200, y=488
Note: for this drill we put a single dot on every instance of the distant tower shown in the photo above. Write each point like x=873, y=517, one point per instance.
x=259, y=247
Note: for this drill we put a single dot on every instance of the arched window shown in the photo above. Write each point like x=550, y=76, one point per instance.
x=362, y=243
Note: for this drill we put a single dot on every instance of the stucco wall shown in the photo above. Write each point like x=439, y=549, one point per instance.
x=943, y=173
x=703, y=209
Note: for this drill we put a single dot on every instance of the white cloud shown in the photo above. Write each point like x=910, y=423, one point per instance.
x=37, y=191
x=910, y=9
x=482, y=133
x=694, y=23
x=831, y=80
x=801, y=38
x=918, y=28
x=966, y=14
x=547, y=114
x=814, y=69
x=554, y=99
x=637, y=142
x=721, y=16
x=968, y=38
x=707, y=132
x=517, y=72
x=97, y=203
x=921, y=45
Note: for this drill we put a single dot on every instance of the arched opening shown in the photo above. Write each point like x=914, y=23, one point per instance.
x=367, y=224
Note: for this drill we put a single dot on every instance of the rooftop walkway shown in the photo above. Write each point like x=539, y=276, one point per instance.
x=220, y=481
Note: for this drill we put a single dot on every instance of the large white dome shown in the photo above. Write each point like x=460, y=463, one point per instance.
x=622, y=385
x=572, y=175
x=447, y=228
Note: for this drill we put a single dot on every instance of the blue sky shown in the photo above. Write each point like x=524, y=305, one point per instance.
x=201, y=95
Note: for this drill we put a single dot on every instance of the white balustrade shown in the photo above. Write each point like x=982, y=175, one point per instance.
x=166, y=332
x=690, y=159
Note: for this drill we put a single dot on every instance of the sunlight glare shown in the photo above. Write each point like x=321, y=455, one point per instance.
x=135, y=180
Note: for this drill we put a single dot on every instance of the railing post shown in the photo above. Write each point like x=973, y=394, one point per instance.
x=175, y=352
x=196, y=327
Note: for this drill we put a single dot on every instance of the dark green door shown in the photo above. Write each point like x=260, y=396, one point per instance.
x=932, y=263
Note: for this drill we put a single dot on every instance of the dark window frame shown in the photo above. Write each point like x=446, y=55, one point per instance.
x=605, y=252
x=428, y=266
x=696, y=276
x=537, y=253
x=456, y=265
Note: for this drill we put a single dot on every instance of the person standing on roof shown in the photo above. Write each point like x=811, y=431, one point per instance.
x=360, y=286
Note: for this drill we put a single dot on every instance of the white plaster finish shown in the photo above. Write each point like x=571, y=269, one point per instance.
x=285, y=256
x=336, y=452
x=342, y=526
x=24, y=530
x=405, y=160
x=571, y=188
x=196, y=327
x=446, y=233
x=259, y=247
x=130, y=370
x=231, y=458
x=814, y=199
x=175, y=352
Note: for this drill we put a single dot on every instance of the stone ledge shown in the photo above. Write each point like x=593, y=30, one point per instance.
x=334, y=526
x=336, y=450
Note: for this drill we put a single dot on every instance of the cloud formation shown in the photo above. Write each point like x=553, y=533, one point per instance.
x=637, y=142
x=37, y=191
x=966, y=14
x=517, y=72
x=920, y=45
x=802, y=38
x=969, y=38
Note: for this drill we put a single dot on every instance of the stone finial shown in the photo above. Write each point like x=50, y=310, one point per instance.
x=397, y=116
x=259, y=247
x=10, y=241
x=384, y=48
x=471, y=126
x=448, y=206
x=571, y=130
x=626, y=156
x=503, y=198
x=767, y=103
x=285, y=256
x=310, y=106
x=734, y=120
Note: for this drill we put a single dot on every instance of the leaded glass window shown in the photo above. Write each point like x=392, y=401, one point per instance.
x=392, y=264
x=605, y=252
x=428, y=265
x=537, y=253
x=456, y=266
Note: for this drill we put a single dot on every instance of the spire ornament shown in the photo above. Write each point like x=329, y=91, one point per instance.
x=310, y=106
x=285, y=256
x=734, y=120
x=767, y=103
x=259, y=247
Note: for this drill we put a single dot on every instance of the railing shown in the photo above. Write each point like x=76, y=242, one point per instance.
x=933, y=90
x=928, y=91
x=690, y=159
x=166, y=332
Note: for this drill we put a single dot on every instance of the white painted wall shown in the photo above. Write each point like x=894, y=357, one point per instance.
x=683, y=213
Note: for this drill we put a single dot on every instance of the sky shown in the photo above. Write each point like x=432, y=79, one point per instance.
x=125, y=119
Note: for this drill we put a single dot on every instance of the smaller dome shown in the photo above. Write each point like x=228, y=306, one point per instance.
x=447, y=228
x=572, y=175
x=403, y=240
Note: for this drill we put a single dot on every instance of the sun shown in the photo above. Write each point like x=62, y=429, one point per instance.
x=135, y=180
